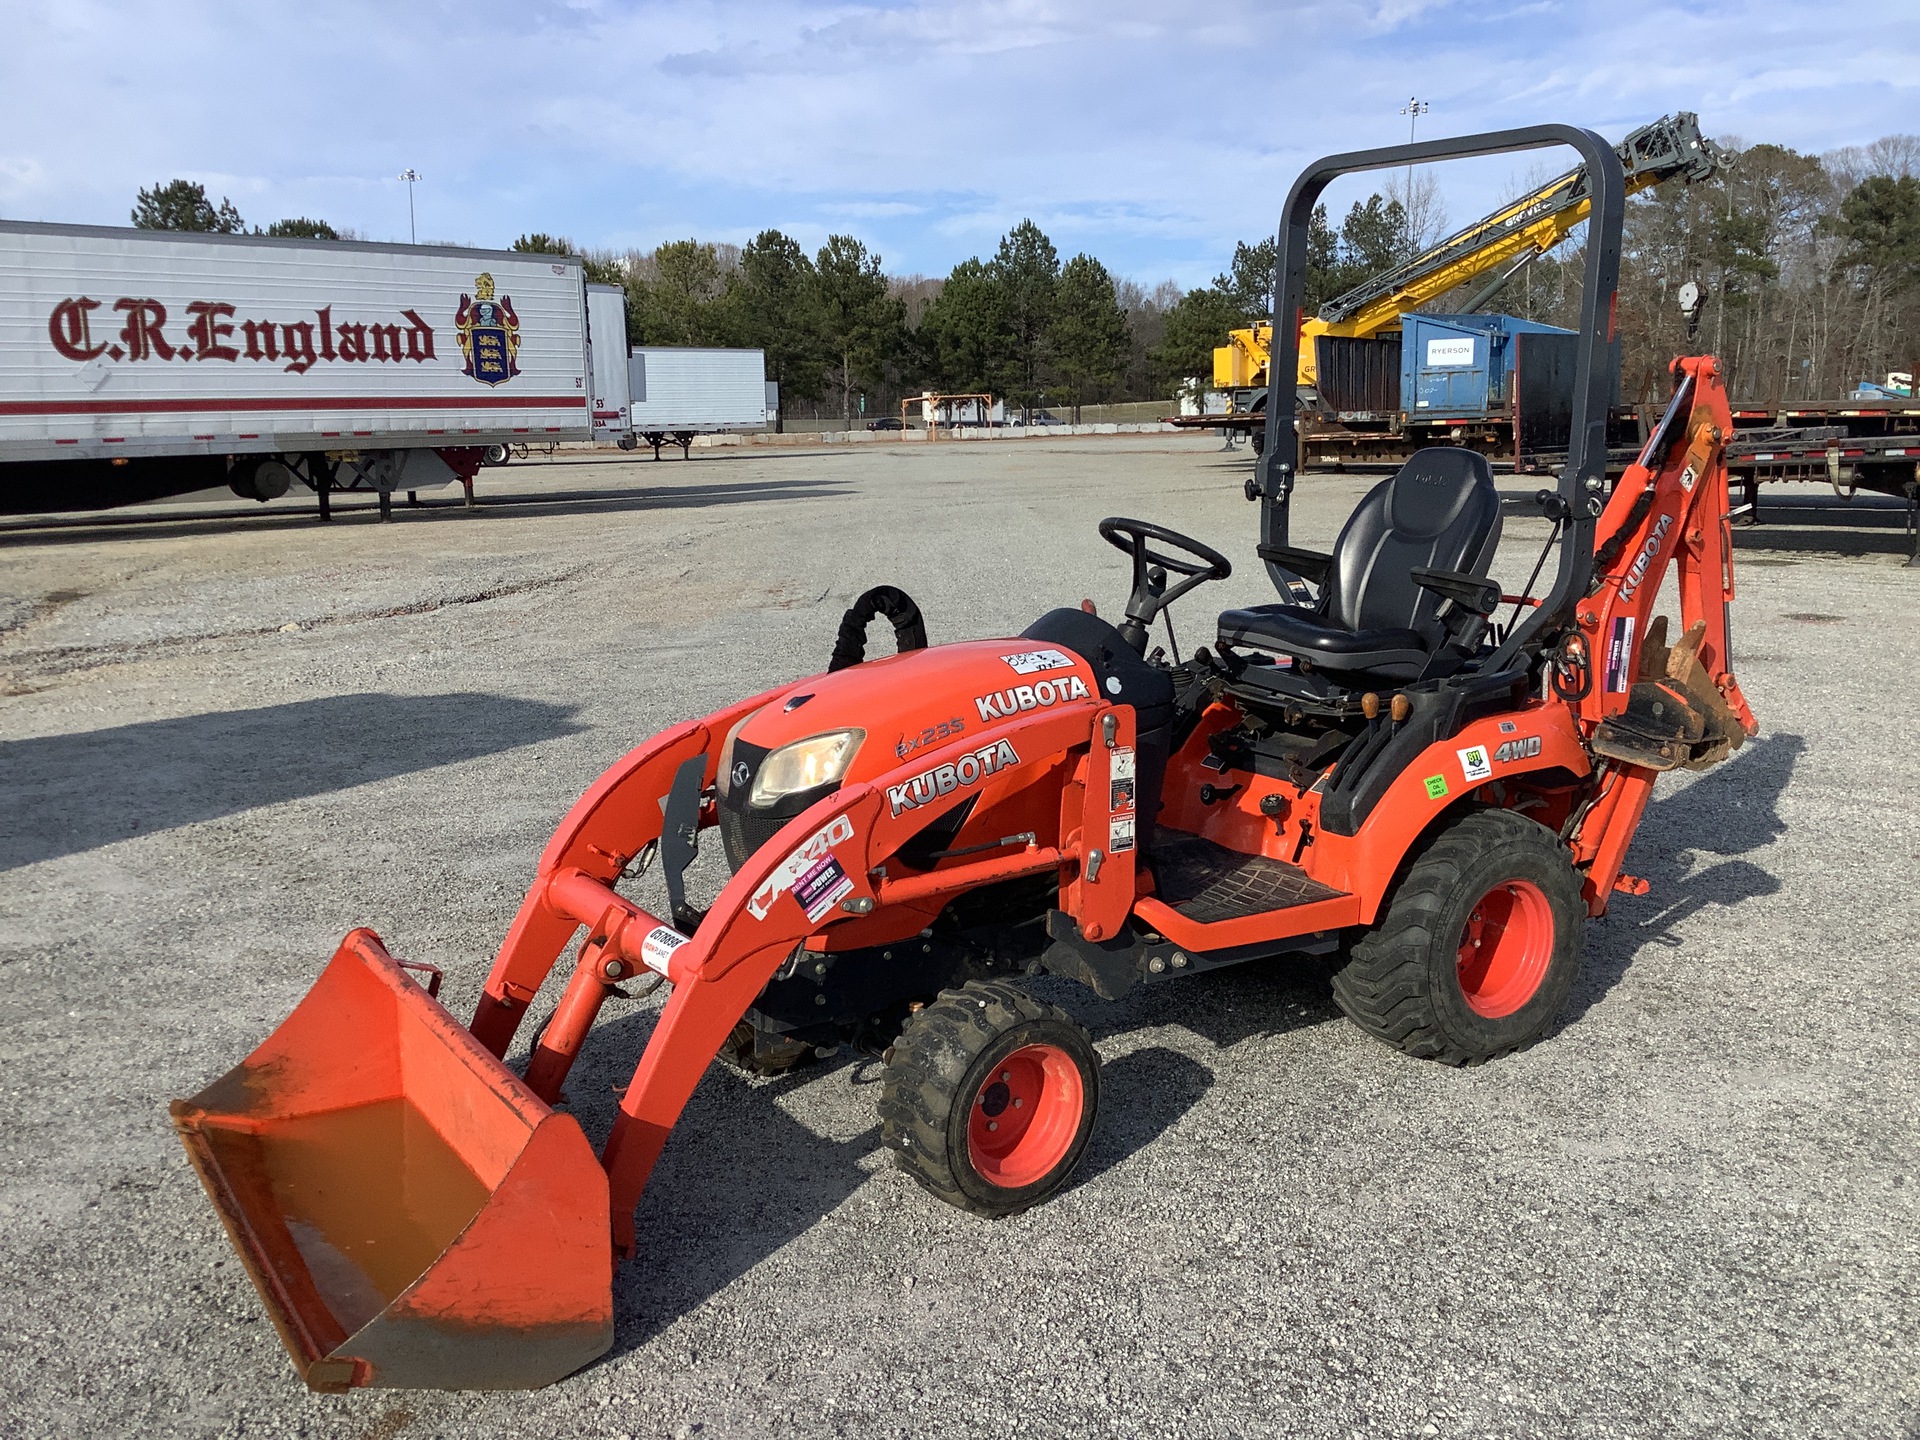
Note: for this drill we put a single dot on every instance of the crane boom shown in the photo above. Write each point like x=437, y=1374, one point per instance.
x=1530, y=226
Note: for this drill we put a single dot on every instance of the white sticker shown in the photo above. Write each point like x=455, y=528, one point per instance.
x=1443, y=354
x=797, y=864
x=657, y=949
x=824, y=886
x=1620, y=655
x=1030, y=661
x=1120, y=833
x=1475, y=763
x=1120, y=762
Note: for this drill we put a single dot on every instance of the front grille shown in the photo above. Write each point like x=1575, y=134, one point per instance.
x=743, y=832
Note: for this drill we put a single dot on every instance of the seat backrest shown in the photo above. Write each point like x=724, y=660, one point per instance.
x=1440, y=510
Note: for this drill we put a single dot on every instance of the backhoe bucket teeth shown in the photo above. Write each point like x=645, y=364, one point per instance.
x=410, y=1212
x=1675, y=715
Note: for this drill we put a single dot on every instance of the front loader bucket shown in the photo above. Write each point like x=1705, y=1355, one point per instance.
x=411, y=1213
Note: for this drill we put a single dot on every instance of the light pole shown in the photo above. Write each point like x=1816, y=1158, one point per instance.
x=410, y=175
x=1413, y=110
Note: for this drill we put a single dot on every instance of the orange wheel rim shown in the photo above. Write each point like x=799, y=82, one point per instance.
x=1505, y=948
x=1023, y=1118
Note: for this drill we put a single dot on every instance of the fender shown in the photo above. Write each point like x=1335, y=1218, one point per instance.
x=1445, y=776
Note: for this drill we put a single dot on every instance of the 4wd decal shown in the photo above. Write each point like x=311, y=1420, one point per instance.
x=1637, y=571
x=1030, y=661
x=1004, y=703
x=933, y=734
x=1524, y=748
x=799, y=863
x=968, y=770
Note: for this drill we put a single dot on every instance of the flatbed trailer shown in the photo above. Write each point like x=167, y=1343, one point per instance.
x=1390, y=438
x=1833, y=455
x=1851, y=444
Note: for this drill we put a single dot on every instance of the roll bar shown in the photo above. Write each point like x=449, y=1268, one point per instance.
x=1583, y=482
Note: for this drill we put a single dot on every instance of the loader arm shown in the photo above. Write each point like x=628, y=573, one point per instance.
x=757, y=924
x=423, y=1216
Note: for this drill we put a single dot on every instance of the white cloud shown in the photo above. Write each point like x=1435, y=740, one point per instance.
x=1149, y=134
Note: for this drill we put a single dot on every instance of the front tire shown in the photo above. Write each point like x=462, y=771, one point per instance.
x=989, y=1098
x=1477, y=947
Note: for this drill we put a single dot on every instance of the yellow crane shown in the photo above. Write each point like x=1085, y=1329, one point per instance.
x=1518, y=232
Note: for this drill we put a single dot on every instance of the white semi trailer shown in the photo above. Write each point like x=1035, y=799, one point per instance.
x=675, y=393
x=136, y=364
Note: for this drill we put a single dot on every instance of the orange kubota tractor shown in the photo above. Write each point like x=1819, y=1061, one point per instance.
x=1375, y=767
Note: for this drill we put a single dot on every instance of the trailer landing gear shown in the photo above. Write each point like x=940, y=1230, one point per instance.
x=661, y=438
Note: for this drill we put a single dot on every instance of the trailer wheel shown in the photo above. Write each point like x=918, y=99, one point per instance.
x=1478, y=945
x=989, y=1097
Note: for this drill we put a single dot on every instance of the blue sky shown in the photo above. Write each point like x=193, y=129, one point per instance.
x=1152, y=135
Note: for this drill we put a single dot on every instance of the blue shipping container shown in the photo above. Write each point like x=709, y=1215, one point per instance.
x=1456, y=366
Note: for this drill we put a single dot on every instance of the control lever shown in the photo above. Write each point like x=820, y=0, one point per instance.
x=1553, y=505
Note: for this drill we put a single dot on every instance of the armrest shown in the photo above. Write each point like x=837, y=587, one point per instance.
x=1307, y=564
x=1471, y=593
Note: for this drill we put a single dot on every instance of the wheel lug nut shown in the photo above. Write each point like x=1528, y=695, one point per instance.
x=993, y=1124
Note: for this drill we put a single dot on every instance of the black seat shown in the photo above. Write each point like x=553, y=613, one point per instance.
x=1440, y=511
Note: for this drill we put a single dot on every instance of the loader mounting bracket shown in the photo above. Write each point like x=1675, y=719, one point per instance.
x=678, y=838
x=1110, y=968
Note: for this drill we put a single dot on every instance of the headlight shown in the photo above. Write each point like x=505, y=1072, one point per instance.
x=805, y=765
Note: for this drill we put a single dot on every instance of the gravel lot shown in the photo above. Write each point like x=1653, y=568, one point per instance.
x=223, y=742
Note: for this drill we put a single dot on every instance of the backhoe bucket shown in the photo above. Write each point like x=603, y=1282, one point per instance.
x=411, y=1213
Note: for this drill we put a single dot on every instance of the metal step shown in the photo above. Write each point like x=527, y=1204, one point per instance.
x=1209, y=883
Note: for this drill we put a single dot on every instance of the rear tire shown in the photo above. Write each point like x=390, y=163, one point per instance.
x=989, y=1098
x=1477, y=947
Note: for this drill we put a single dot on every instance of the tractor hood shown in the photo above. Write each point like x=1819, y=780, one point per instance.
x=865, y=721
x=906, y=703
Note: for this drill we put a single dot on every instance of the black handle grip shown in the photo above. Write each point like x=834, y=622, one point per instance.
x=909, y=630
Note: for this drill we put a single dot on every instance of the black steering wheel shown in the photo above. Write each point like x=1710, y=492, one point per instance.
x=1199, y=564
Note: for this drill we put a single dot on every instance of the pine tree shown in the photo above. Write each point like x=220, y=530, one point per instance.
x=1028, y=269
x=860, y=322
x=1088, y=338
x=775, y=297
x=183, y=205
x=967, y=332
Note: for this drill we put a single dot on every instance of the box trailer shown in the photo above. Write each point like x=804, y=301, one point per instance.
x=607, y=322
x=675, y=393
x=136, y=364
